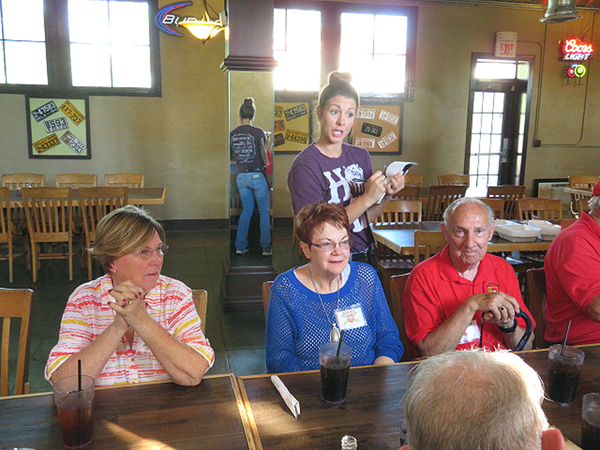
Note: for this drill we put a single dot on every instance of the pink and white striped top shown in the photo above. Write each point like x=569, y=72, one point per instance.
x=87, y=315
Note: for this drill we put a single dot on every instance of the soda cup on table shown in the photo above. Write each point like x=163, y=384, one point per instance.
x=564, y=372
x=590, y=424
x=75, y=405
x=335, y=368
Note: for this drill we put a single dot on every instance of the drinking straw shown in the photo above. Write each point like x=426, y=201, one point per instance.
x=79, y=375
x=562, y=350
x=337, y=354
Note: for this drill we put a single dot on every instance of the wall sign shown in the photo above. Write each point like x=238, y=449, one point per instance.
x=576, y=71
x=58, y=128
x=291, y=127
x=575, y=50
x=378, y=128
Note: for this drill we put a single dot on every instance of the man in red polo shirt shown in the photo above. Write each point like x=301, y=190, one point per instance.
x=572, y=268
x=462, y=293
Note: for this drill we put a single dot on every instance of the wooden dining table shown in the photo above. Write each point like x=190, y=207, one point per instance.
x=372, y=411
x=148, y=416
x=401, y=238
x=136, y=196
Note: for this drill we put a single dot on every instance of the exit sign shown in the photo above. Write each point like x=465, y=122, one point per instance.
x=506, y=44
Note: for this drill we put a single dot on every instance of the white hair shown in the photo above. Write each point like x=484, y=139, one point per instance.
x=474, y=400
x=463, y=201
x=594, y=204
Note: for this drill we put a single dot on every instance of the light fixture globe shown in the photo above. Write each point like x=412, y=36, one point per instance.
x=206, y=27
x=560, y=11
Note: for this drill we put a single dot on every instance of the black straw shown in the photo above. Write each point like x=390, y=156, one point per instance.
x=79, y=375
x=337, y=354
x=562, y=350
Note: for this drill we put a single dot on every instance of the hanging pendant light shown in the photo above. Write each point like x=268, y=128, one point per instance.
x=560, y=11
x=205, y=28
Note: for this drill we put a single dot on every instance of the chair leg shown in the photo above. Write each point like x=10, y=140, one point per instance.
x=10, y=264
x=90, y=266
x=34, y=262
x=70, y=261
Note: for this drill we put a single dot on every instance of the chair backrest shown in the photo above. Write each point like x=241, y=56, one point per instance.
x=397, y=283
x=6, y=229
x=428, y=243
x=49, y=213
x=583, y=182
x=453, y=179
x=510, y=193
x=76, y=180
x=266, y=295
x=15, y=303
x=401, y=211
x=540, y=208
x=536, y=302
x=97, y=202
x=408, y=193
x=439, y=199
x=135, y=180
x=200, y=297
x=411, y=179
x=18, y=180
x=497, y=205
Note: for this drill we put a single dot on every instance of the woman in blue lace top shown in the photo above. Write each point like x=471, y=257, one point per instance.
x=312, y=303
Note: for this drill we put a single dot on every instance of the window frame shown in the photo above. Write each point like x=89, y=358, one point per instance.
x=58, y=62
x=330, y=45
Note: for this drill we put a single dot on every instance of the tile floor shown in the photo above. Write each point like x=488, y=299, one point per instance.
x=196, y=258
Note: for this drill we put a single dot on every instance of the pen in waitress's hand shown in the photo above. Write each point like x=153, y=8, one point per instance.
x=359, y=180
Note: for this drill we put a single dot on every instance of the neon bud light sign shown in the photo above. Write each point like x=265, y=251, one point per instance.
x=575, y=50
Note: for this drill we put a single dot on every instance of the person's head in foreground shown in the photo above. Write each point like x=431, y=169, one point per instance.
x=475, y=400
x=594, y=201
x=130, y=245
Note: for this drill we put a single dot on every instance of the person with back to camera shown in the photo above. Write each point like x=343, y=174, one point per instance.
x=311, y=303
x=572, y=267
x=133, y=324
x=472, y=399
x=248, y=150
x=328, y=169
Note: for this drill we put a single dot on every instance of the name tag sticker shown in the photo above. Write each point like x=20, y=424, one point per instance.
x=472, y=333
x=350, y=318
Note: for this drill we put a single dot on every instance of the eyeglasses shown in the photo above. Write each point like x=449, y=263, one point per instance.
x=329, y=245
x=146, y=253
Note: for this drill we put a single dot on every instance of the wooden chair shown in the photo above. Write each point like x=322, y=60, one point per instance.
x=578, y=201
x=414, y=180
x=18, y=304
x=439, y=199
x=133, y=180
x=15, y=181
x=540, y=208
x=428, y=243
x=200, y=297
x=6, y=235
x=510, y=194
x=453, y=179
x=76, y=180
x=397, y=283
x=95, y=203
x=49, y=220
x=408, y=193
x=497, y=205
x=401, y=211
x=536, y=303
x=266, y=295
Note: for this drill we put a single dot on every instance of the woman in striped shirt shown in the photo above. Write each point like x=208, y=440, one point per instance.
x=133, y=324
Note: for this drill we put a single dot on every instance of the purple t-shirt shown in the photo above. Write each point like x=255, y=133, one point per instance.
x=315, y=177
x=244, y=142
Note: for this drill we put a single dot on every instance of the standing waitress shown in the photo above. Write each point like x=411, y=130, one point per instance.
x=247, y=145
x=328, y=169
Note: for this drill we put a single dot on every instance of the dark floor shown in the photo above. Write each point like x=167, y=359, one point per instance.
x=196, y=258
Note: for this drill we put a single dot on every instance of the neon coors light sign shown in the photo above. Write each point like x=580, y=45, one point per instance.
x=575, y=50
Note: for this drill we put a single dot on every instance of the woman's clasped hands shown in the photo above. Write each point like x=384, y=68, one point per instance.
x=129, y=305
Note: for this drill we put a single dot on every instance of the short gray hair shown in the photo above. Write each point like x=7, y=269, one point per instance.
x=594, y=204
x=463, y=201
x=474, y=399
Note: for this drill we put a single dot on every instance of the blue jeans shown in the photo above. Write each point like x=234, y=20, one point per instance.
x=253, y=185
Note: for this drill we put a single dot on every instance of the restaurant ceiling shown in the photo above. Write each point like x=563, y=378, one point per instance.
x=586, y=4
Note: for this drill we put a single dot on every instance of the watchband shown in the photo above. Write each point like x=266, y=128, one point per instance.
x=510, y=329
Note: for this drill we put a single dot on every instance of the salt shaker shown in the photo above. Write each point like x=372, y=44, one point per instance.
x=349, y=443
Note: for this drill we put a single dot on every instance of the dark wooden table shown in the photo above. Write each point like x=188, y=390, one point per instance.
x=149, y=416
x=372, y=411
x=401, y=239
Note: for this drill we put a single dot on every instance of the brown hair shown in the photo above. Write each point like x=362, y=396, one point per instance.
x=338, y=83
x=123, y=231
x=318, y=214
x=247, y=109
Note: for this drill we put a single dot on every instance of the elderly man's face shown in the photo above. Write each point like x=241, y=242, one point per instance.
x=468, y=233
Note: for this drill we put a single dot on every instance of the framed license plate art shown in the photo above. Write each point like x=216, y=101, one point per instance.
x=378, y=128
x=292, y=126
x=58, y=128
